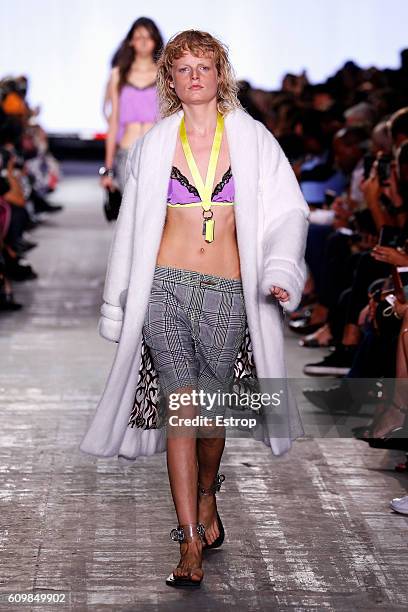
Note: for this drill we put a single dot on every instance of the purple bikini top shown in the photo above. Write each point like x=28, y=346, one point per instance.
x=181, y=191
x=137, y=104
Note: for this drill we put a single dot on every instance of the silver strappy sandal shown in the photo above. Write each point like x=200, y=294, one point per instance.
x=186, y=533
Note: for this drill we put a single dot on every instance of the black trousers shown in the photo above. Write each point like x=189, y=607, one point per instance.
x=18, y=223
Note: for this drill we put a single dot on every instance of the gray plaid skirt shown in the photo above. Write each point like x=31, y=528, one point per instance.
x=194, y=326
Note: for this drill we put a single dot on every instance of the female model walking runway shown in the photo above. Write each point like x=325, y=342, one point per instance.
x=208, y=249
x=132, y=94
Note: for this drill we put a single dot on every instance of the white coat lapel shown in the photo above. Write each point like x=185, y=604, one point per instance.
x=243, y=146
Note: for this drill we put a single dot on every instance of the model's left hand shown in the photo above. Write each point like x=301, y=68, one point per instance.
x=279, y=293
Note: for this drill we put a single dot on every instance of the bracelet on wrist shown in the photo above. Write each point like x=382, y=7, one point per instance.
x=103, y=171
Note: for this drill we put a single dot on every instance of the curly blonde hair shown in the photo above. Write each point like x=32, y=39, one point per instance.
x=198, y=43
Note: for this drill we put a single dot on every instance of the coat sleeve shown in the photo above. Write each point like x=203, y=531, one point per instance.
x=120, y=254
x=285, y=224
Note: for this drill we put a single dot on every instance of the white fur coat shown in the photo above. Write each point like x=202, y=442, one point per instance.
x=272, y=220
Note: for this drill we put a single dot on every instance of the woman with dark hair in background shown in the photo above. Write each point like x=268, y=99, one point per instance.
x=131, y=91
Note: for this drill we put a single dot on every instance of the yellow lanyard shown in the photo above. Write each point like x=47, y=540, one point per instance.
x=205, y=191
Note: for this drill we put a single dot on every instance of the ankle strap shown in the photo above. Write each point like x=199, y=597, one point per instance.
x=216, y=486
x=188, y=532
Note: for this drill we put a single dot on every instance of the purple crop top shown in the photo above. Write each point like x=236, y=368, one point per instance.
x=181, y=191
x=137, y=104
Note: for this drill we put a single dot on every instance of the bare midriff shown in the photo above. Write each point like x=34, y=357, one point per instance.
x=183, y=245
x=133, y=132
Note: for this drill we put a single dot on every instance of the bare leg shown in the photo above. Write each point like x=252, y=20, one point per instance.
x=209, y=452
x=183, y=477
x=309, y=285
x=319, y=314
x=351, y=334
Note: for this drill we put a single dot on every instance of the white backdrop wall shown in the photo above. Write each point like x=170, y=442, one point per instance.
x=65, y=46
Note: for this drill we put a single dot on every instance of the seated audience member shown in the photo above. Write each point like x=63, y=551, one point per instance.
x=28, y=174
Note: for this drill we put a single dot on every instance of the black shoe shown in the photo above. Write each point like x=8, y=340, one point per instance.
x=337, y=363
x=20, y=273
x=334, y=399
x=23, y=245
x=50, y=208
x=41, y=205
x=396, y=438
x=7, y=302
x=395, y=442
x=340, y=399
x=32, y=224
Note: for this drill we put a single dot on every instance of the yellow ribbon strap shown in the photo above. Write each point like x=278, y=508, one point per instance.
x=205, y=191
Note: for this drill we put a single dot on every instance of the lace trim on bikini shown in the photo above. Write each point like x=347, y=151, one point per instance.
x=176, y=174
x=226, y=177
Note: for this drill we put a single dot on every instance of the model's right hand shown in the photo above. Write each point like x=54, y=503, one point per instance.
x=107, y=182
x=281, y=294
